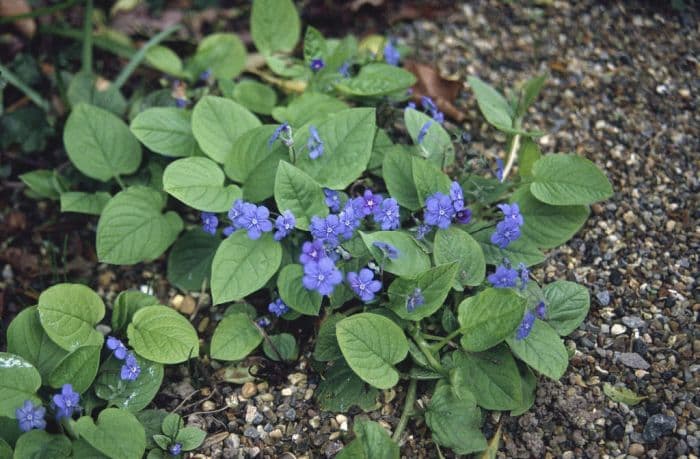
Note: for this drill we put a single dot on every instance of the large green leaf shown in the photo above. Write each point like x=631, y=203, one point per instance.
x=347, y=138
x=326, y=347
x=217, y=123
x=434, y=284
x=221, y=53
x=397, y=171
x=567, y=180
x=371, y=441
x=189, y=261
x=42, y=184
x=297, y=191
x=520, y=251
x=126, y=305
x=436, y=145
x=165, y=130
x=26, y=338
x=19, y=381
x=309, y=106
x=455, y=423
x=494, y=106
x=567, y=305
x=87, y=88
x=281, y=347
x=274, y=26
x=372, y=345
x=528, y=383
x=117, y=433
x=455, y=245
x=235, y=337
x=42, y=445
x=375, y=80
x=69, y=313
x=411, y=260
x=77, y=368
x=84, y=203
x=256, y=97
x=530, y=90
x=99, y=144
x=294, y=294
x=528, y=154
x=129, y=395
x=488, y=317
x=428, y=179
x=199, y=183
x=133, y=229
x=242, y=265
x=163, y=335
x=342, y=389
x=166, y=60
x=543, y=350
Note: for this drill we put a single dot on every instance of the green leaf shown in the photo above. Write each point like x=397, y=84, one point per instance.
x=528, y=383
x=428, y=179
x=133, y=229
x=26, y=338
x=235, y=337
x=543, y=350
x=436, y=146
x=126, y=305
x=166, y=130
x=222, y=53
x=284, y=344
x=19, y=381
x=10, y=431
x=81, y=448
x=520, y=251
x=151, y=420
x=84, y=203
x=455, y=245
x=489, y=317
x=372, y=345
x=412, y=259
x=163, y=441
x=256, y=97
x=455, y=423
x=297, y=191
x=548, y=226
x=528, y=154
x=531, y=89
x=308, y=106
x=382, y=144
x=5, y=450
x=78, y=368
x=39, y=444
x=397, y=171
x=275, y=26
x=376, y=80
x=164, y=59
x=163, y=335
x=129, y=395
x=26, y=127
x=242, y=265
x=294, y=294
x=326, y=347
x=217, y=123
x=493, y=106
x=189, y=261
x=492, y=376
x=190, y=438
x=566, y=180
x=69, y=313
x=99, y=144
x=567, y=305
x=172, y=424
x=91, y=89
x=434, y=283
x=347, y=138
x=622, y=395
x=43, y=183
x=117, y=434
x=371, y=441
x=342, y=389
x=199, y=183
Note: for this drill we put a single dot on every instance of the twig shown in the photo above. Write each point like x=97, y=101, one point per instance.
x=515, y=145
x=185, y=399
x=209, y=412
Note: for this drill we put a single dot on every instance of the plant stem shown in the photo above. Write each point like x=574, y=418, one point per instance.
x=439, y=345
x=514, y=147
x=34, y=96
x=407, y=409
x=425, y=349
x=87, y=38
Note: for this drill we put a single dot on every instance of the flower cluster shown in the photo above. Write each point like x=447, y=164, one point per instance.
x=278, y=308
x=316, y=64
x=507, y=277
x=430, y=106
x=508, y=229
x=441, y=209
x=130, y=369
x=64, y=404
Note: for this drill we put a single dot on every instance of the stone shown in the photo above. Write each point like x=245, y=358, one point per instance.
x=616, y=432
x=249, y=390
x=618, y=329
x=632, y=360
x=636, y=450
x=251, y=412
x=208, y=406
x=290, y=414
x=232, y=441
x=251, y=432
x=603, y=297
x=634, y=322
x=657, y=426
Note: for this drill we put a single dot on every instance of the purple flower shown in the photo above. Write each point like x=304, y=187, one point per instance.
x=415, y=300
x=131, y=369
x=439, y=210
x=499, y=169
x=344, y=69
x=370, y=202
x=388, y=215
x=117, y=346
x=421, y=231
x=180, y=103
x=229, y=230
x=255, y=219
x=363, y=284
x=511, y=212
x=387, y=249
x=322, y=276
x=332, y=199
x=457, y=196
x=175, y=449
x=326, y=229
x=312, y=252
x=349, y=222
x=263, y=322
x=316, y=65
x=209, y=222
x=279, y=131
x=204, y=76
x=463, y=216
x=235, y=213
x=284, y=225
x=423, y=131
x=391, y=53
x=410, y=105
x=66, y=402
x=278, y=307
x=30, y=416
x=506, y=232
x=541, y=310
x=428, y=103
x=525, y=326
x=438, y=116
x=314, y=144
x=503, y=277
x=524, y=275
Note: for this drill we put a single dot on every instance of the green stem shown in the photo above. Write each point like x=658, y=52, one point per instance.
x=141, y=54
x=120, y=182
x=407, y=410
x=443, y=341
x=34, y=96
x=514, y=147
x=38, y=12
x=425, y=349
x=87, y=38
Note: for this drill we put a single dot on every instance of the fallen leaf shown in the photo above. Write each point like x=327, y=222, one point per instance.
x=622, y=395
x=441, y=90
x=26, y=26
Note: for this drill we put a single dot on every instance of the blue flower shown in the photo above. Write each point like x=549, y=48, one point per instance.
x=388, y=215
x=511, y=212
x=506, y=232
x=204, y=76
x=332, y=199
x=66, y=402
x=349, y=222
x=525, y=326
x=209, y=222
x=131, y=369
x=314, y=144
x=429, y=105
x=439, y=210
x=345, y=69
x=316, y=65
x=463, y=216
x=255, y=219
x=387, y=249
x=422, y=231
x=180, y=103
x=410, y=105
x=326, y=229
x=370, y=202
x=117, y=346
x=30, y=416
x=457, y=196
x=364, y=284
x=284, y=225
x=503, y=277
x=278, y=307
x=415, y=300
x=322, y=276
x=235, y=213
x=175, y=449
x=263, y=322
x=391, y=53
x=423, y=131
x=312, y=251
x=524, y=275
x=281, y=130
x=541, y=310
x=499, y=169
x=229, y=230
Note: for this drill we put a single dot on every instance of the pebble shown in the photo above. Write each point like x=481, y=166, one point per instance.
x=232, y=441
x=634, y=322
x=632, y=360
x=603, y=297
x=636, y=450
x=251, y=432
x=287, y=392
x=290, y=414
x=618, y=329
x=251, y=412
x=208, y=406
x=249, y=390
x=657, y=426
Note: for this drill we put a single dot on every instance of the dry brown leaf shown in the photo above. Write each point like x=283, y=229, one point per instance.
x=26, y=26
x=441, y=90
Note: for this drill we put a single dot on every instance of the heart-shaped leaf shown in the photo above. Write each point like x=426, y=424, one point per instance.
x=117, y=433
x=163, y=335
x=234, y=338
x=19, y=381
x=199, y=183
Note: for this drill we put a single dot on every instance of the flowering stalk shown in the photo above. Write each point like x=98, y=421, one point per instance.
x=407, y=409
x=514, y=147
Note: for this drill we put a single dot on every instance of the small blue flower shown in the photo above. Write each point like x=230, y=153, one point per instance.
x=284, y=225
x=263, y=322
x=66, y=402
x=414, y=300
x=180, y=103
x=503, y=277
x=499, y=169
x=387, y=249
x=370, y=202
x=235, y=213
x=422, y=231
x=410, y=105
x=255, y=219
x=388, y=215
x=229, y=230
x=312, y=251
x=525, y=326
x=511, y=212
x=364, y=284
x=314, y=144
x=439, y=210
x=332, y=199
x=506, y=232
x=541, y=310
x=316, y=65
x=463, y=216
x=175, y=449
x=204, y=76
x=30, y=416
x=457, y=196
x=391, y=53
x=278, y=307
x=131, y=369
x=429, y=105
x=120, y=351
x=322, y=276
x=524, y=275
x=423, y=131
x=345, y=69
x=209, y=222
x=281, y=130
x=326, y=229
x=349, y=222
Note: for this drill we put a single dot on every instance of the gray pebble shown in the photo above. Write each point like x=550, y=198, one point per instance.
x=232, y=441
x=632, y=360
x=634, y=322
x=603, y=297
x=257, y=419
x=657, y=426
x=251, y=432
x=290, y=414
